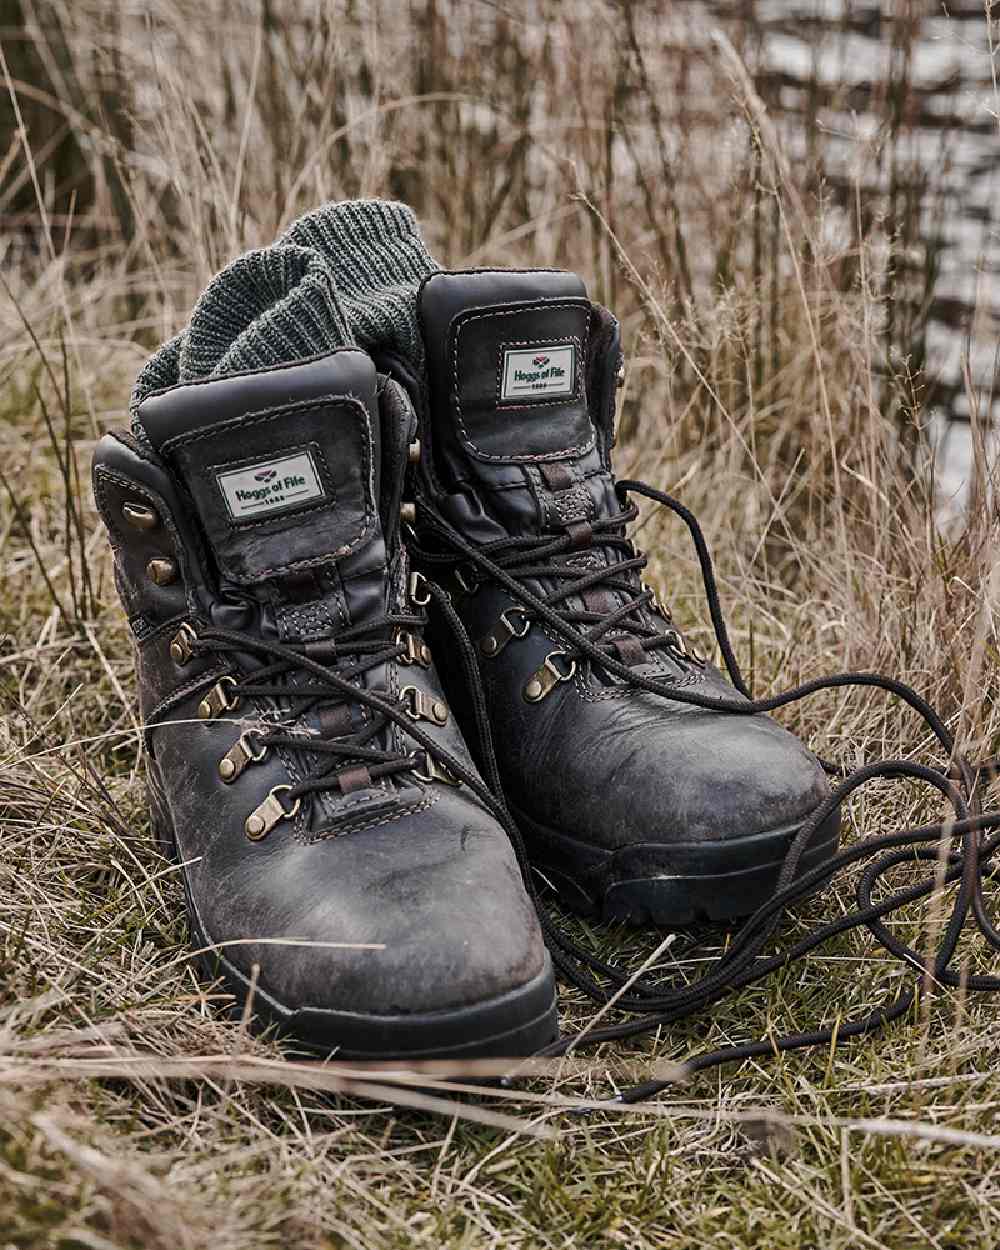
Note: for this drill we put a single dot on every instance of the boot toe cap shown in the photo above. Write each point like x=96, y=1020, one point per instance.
x=746, y=777
x=697, y=776
x=430, y=916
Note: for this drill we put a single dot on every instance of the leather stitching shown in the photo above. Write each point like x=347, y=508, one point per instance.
x=336, y=807
x=547, y=306
x=368, y=519
x=623, y=692
x=177, y=696
x=411, y=809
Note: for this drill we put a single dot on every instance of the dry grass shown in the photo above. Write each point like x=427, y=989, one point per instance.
x=619, y=141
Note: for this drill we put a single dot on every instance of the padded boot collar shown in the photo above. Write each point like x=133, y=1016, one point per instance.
x=508, y=349
x=282, y=466
x=517, y=395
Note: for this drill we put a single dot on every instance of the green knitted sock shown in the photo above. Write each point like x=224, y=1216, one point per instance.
x=161, y=370
x=343, y=273
x=267, y=307
x=378, y=259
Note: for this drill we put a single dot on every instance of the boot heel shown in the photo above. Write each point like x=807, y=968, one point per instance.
x=159, y=815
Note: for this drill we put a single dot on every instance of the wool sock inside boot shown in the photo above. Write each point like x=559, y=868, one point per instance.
x=268, y=307
x=345, y=273
x=378, y=259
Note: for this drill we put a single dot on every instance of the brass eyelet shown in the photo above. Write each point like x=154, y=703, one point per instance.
x=435, y=771
x=545, y=679
x=263, y=818
x=217, y=701
x=423, y=706
x=162, y=571
x=504, y=631
x=240, y=754
x=417, y=651
x=679, y=644
x=416, y=581
x=182, y=644
x=140, y=515
x=655, y=605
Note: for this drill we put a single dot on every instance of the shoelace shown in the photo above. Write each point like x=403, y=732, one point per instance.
x=658, y=1004
x=623, y=629
x=353, y=760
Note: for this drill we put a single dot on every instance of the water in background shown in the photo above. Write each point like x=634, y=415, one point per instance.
x=916, y=84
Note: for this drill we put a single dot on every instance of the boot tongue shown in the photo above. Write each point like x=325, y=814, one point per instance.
x=512, y=427
x=282, y=467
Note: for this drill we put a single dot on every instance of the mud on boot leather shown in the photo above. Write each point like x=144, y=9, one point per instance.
x=631, y=804
x=303, y=762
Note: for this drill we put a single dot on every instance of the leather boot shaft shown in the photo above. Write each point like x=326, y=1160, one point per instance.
x=338, y=848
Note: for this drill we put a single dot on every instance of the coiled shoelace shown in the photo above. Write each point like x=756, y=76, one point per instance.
x=954, y=847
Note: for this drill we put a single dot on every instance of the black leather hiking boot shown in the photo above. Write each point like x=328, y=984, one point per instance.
x=632, y=805
x=304, y=766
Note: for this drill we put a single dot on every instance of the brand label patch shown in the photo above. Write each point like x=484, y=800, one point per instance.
x=531, y=371
x=270, y=486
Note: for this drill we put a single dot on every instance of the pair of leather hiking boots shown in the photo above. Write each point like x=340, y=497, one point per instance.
x=391, y=638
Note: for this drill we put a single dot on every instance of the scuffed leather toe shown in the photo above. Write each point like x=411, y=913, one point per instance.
x=432, y=916
x=713, y=781
x=639, y=769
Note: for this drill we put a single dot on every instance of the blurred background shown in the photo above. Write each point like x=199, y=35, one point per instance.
x=142, y=145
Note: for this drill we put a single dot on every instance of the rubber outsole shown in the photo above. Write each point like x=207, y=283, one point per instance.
x=518, y=1022
x=670, y=884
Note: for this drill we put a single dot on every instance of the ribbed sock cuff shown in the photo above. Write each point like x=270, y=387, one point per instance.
x=345, y=273
x=378, y=259
x=268, y=307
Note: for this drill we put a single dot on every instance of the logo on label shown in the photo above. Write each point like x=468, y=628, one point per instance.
x=273, y=486
x=527, y=372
